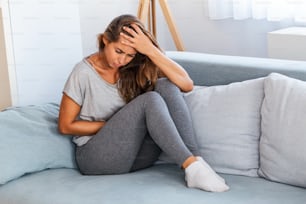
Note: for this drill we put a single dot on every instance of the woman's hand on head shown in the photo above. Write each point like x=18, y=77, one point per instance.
x=143, y=44
x=138, y=41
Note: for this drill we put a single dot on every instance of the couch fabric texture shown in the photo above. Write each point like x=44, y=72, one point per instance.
x=226, y=120
x=283, y=139
x=248, y=118
x=30, y=142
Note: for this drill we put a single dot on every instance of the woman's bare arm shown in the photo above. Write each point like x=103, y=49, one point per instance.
x=173, y=71
x=68, y=123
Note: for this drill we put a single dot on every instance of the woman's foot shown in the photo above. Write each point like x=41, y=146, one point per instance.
x=209, y=167
x=197, y=175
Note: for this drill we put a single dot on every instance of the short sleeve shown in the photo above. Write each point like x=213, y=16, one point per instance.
x=75, y=85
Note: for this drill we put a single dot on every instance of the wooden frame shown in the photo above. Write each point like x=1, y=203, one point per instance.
x=147, y=12
x=5, y=90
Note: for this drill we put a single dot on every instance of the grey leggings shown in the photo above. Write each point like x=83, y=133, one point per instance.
x=134, y=137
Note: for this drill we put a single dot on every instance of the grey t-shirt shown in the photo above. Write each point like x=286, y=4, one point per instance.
x=98, y=99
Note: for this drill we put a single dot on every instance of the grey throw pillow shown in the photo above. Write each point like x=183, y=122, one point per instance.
x=226, y=120
x=283, y=139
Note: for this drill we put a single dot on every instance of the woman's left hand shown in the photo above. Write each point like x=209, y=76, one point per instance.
x=142, y=43
x=138, y=41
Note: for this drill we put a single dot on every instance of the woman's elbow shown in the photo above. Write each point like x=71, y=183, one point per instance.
x=188, y=86
x=63, y=129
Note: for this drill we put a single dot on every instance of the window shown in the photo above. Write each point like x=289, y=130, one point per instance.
x=271, y=10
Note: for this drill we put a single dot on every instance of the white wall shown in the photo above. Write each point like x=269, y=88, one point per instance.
x=95, y=15
x=46, y=44
x=50, y=36
x=198, y=33
x=227, y=37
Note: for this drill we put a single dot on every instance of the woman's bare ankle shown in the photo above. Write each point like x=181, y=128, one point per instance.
x=188, y=161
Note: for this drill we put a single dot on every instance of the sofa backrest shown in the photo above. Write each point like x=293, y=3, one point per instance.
x=210, y=69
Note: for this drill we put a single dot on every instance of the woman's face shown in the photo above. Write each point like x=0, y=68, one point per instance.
x=118, y=54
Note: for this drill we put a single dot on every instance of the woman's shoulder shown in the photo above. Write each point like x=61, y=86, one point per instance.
x=80, y=72
x=81, y=67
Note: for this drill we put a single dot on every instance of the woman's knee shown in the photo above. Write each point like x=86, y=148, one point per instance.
x=165, y=86
x=151, y=96
x=151, y=100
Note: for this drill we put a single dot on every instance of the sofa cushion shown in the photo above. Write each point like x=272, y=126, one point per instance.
x=30, y=142
x=160, y=184
x=226, y=120
x=283, y=139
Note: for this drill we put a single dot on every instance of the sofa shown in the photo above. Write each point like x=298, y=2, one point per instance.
x=249, y=120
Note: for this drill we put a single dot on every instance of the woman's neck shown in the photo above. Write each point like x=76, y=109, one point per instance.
x=98, y=62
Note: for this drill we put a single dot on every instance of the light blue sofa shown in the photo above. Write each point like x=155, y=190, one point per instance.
x=57, y=181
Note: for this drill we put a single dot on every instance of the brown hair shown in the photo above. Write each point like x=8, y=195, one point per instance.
x=140, y=75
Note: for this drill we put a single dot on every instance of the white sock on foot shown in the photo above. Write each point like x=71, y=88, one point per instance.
x=209, y=167
x=199, y=176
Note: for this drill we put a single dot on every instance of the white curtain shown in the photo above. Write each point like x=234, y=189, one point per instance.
x=271, y=10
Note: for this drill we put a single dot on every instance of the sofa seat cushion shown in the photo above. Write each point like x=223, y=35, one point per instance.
x=160, y=184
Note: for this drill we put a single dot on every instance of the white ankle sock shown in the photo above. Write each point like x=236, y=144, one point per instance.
x=209, y=167
x=199, y=176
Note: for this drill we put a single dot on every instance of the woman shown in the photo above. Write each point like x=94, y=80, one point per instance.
x=123, y=116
